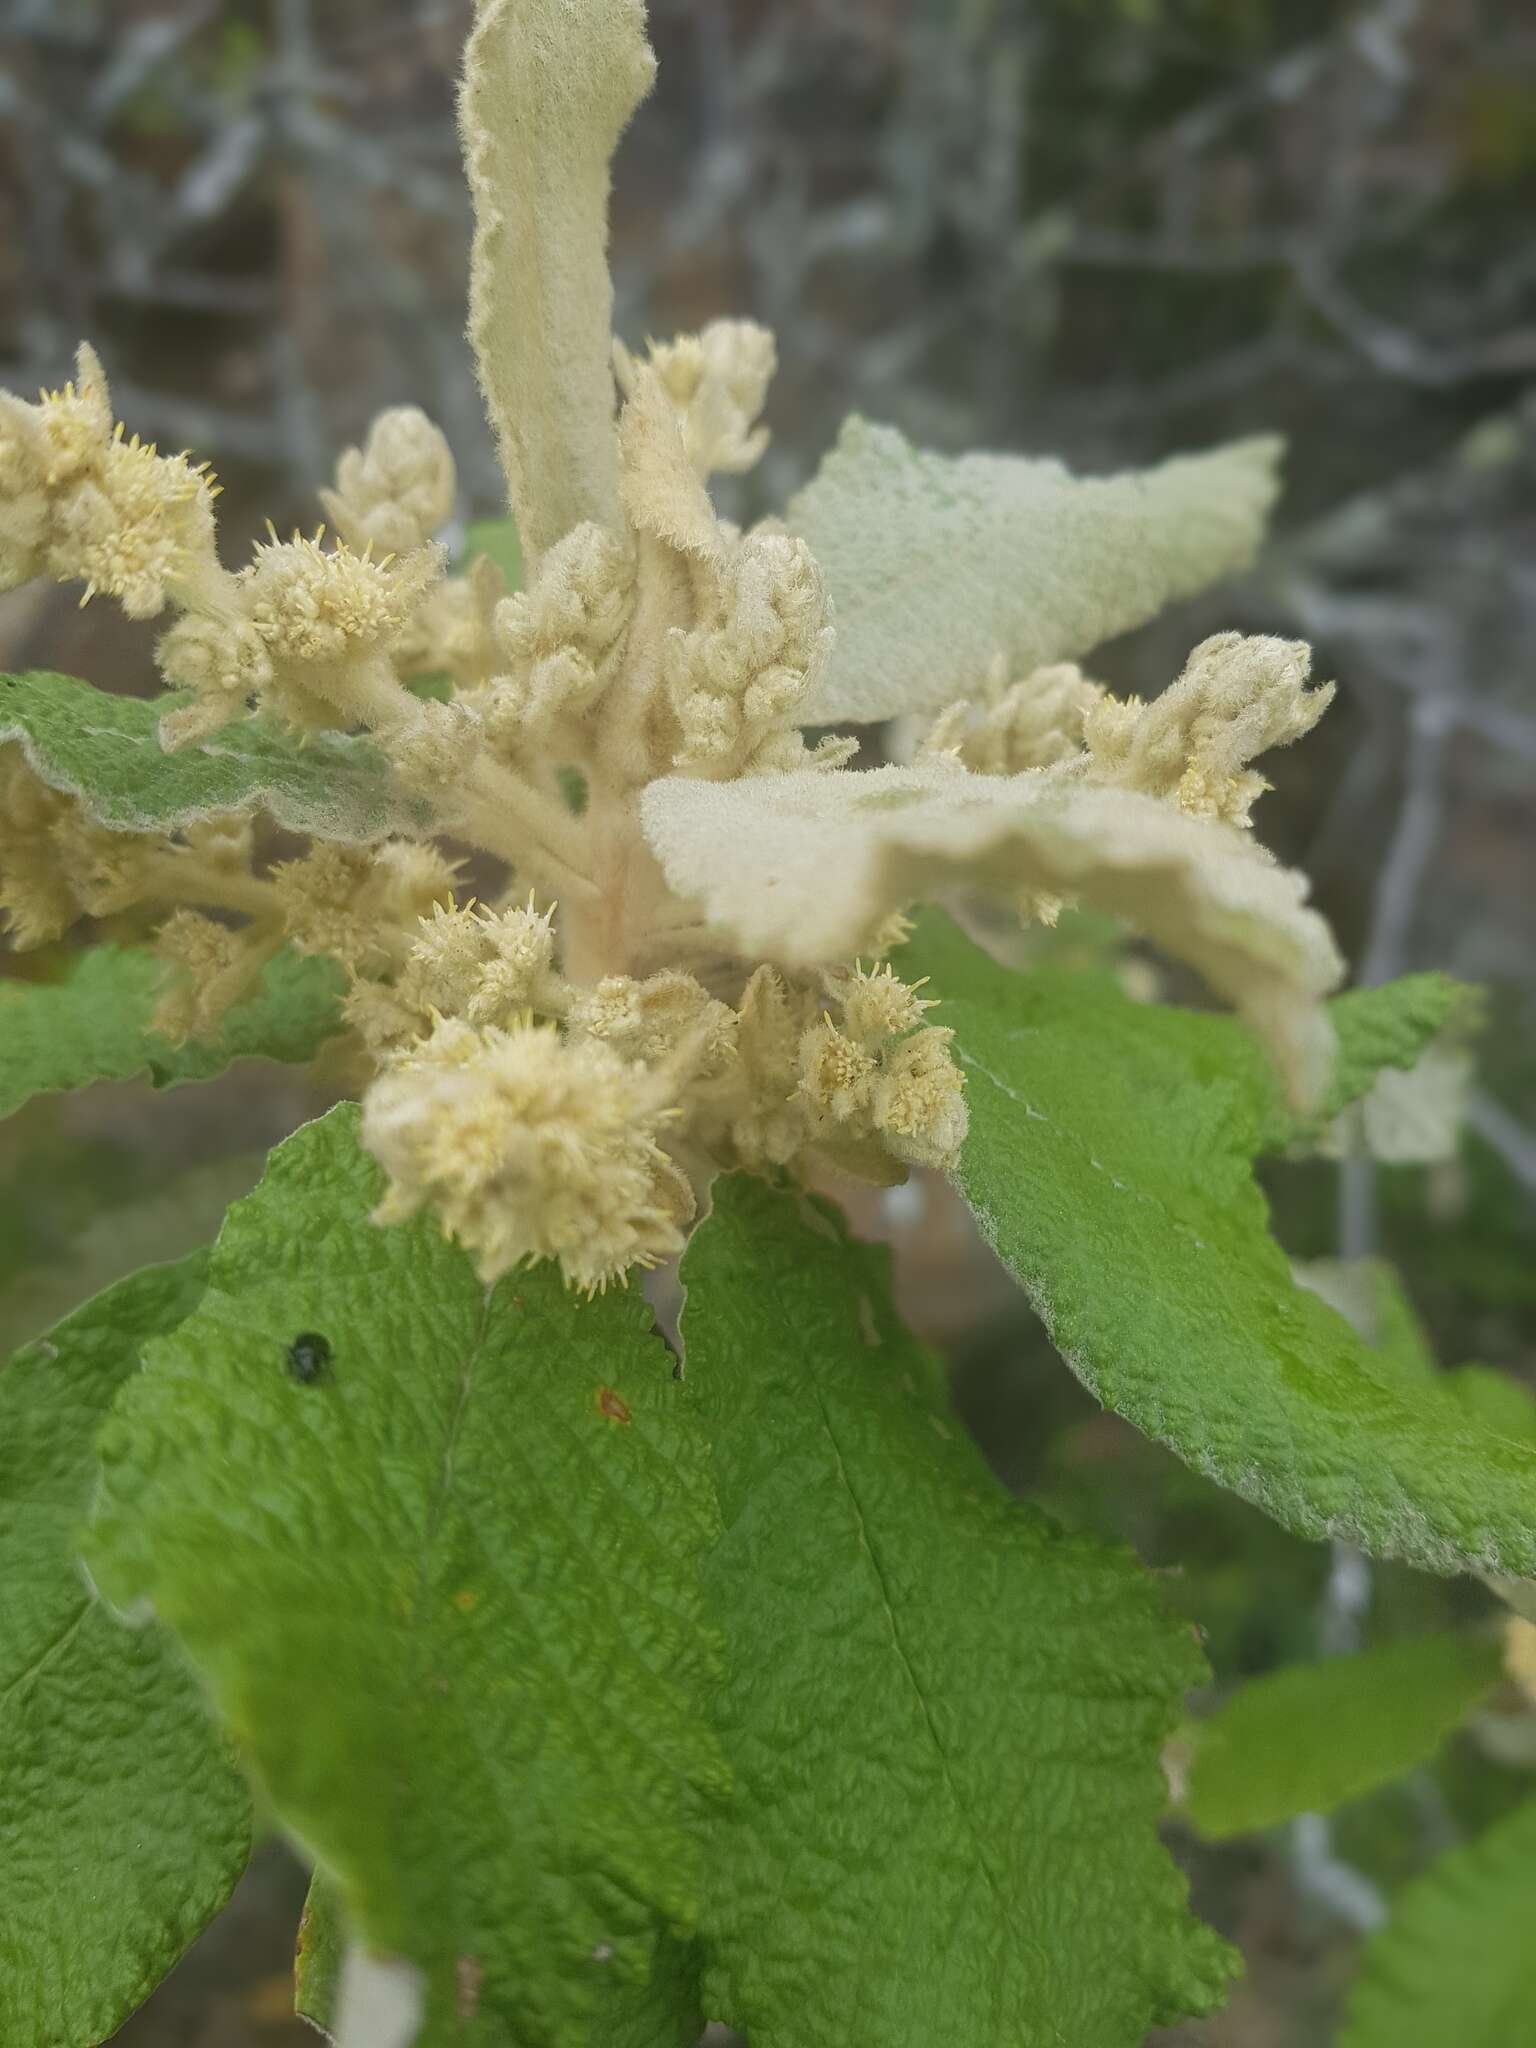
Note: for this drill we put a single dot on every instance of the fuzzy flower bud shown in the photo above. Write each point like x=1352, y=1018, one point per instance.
x=327, y=905
x=432, y=748
x=837, y=1076
x=530, y=1146
x=77, y=421
x=24, y=502
x=718, y=381
x=517, y=950
x=668, y=1016
x=397, y=490
x=106, y=872
x=919, y=1100
x=559, y=642
x=454, y=629
x=224, y=662
x=137, y=526
x=1036, y=723
x=1236, y=698
x=211, y=967
x=483, y=965
x=735, y=679
x=878, y=1005
x=763, y=1122
x=326, y=618
x=36, y=901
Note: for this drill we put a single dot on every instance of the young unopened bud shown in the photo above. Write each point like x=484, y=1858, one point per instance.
x=328, y=906
x=745, y=673
x=1238, y=696
x=211, y=968
x=718, y=381
x=397, y=490
x=24, y=501
x=36, y=901
x=559, y=642
x=1036, y=723
x=224, y=662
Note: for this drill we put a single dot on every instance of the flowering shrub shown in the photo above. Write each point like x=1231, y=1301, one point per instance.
x=612, y=1688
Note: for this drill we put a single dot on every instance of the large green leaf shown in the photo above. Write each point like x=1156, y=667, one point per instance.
x=1109, y=1164
x=1306, y=1739
x=124, y=1820
x=444, y=1582
x=944, y=1715
x=96, y=1025
x=106, y=751
x=1455, y=1965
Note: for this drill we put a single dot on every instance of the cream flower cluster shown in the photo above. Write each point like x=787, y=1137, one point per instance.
x=662, y=947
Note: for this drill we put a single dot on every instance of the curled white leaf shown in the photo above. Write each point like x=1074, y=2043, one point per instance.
x=548, y=89
x=803, y=868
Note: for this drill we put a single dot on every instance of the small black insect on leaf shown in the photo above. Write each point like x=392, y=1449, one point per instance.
x=308, y=1356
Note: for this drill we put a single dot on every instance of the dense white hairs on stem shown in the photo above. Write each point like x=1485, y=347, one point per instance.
x=548, y=88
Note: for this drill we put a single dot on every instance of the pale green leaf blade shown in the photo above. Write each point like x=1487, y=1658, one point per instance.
x=124, y=1819
x=106, y=751
x=1109, y=1164
x=944, y=1715
x=1306, y=1739
x=445, y=1591
x=1455, y=1965
x=934, y=563
x=96, y=1024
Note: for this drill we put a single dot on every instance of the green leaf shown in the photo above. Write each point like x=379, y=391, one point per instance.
x=498, y=539
x=935, y=564
x=1108, y=1163
x=124, y=1820
x=96, y=1025
x=944, y=1715
x=319, y=1954
x=1390, y=1027
x=1306, y=1739
x=1455, y=1966
x=1370, y=1292
x=1496, y=1400
x=446, y=1590
x=106, y=751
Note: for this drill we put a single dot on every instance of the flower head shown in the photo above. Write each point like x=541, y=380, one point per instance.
x=395, y=492
x=529, y=1145
x=689, y=902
